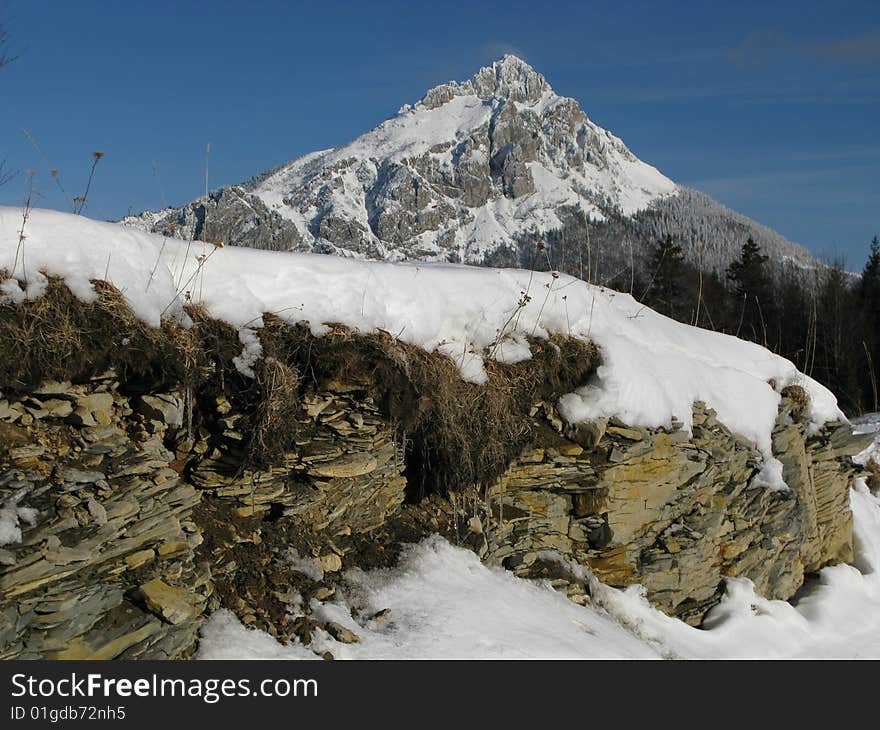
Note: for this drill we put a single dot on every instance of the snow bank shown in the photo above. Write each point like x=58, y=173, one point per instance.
x=653, y=367
x=443, y=603
x=226, y=637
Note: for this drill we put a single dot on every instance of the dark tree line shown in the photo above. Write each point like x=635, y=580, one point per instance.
x=824, y=319
x=826, y=322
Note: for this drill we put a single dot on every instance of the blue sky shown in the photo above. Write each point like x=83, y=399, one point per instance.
x=771, y=108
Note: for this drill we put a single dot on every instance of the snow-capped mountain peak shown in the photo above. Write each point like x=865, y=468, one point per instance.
x=474, y=171
x=509, y=78
x=469, y=167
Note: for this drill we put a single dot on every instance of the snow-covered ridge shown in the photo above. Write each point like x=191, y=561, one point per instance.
x=653, y=368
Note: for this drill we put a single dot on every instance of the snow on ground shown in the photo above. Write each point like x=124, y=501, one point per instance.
x=652, y=371
x=443, y=603
x=868, y=423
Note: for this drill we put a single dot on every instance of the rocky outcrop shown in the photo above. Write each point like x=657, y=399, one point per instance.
x=138, y=522
x=127, y=521
x=678, y=513
x=108, y=568
x=227, y=215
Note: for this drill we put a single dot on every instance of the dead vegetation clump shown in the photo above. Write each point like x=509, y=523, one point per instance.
x=58, y=337
x=273, y=427
x=800, y=400
x=873, y=479
x=455, y=433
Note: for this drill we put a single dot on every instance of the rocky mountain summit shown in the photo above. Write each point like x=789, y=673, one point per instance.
x=477, y=172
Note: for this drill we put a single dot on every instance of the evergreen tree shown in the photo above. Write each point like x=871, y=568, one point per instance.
x=868, y=290
x=791, y=332
x=716, y=304
x=869, y=286
x=753, y=293
x=840, y=355
x=665, y=291
x=748, y=273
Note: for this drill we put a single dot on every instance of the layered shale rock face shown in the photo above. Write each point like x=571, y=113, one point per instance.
x=676, y=513
x=139, y=526
x=124, y=525
x=108, y=568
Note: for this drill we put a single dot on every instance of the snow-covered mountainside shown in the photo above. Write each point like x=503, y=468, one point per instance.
x=474, y=172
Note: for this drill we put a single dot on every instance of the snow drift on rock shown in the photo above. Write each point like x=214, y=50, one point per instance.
x=653, y=368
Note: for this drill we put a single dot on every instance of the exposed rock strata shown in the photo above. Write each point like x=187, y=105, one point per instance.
x=142, y=528
x=678, y=513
